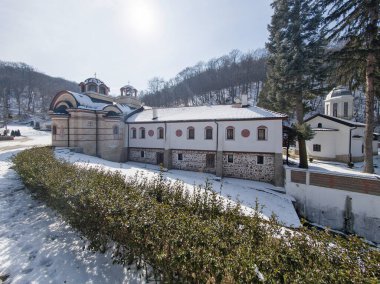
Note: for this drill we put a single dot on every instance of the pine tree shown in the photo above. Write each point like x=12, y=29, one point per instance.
x=295, y=62
x=356, y=24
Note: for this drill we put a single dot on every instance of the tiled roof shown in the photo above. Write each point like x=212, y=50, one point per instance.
x=200, y=113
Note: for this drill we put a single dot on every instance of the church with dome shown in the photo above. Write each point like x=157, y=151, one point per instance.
x=237, y=140
x=338, y=137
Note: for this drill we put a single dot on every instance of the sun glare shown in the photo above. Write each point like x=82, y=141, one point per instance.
x=142, y=18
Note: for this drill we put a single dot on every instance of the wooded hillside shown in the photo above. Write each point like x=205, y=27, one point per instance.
x=218, y=81
x=24, y=90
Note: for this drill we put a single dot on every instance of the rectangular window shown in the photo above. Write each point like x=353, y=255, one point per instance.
x=191, y=133
x=335, y=109
x=316, y=147
x=142, y=133
x=230, y=158
x=208, y=133
x=160, y=133
x=133, y=133
x=261, y=134
x=210, y=160
x=260, y=160
x=345, y=109
x=180, y=157
x=142, y=154
x=230, y=134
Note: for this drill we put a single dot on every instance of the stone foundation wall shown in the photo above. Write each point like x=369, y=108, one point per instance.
x=150, y=156
x=193, y=160
x=245, y=166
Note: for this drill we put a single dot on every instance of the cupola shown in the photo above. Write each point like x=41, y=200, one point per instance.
x=94, y=85
x=339, y=103
x=128, y=91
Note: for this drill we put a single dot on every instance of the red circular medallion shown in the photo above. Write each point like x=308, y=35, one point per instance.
x=178, y=133
x=245, y=133
x=150, y=133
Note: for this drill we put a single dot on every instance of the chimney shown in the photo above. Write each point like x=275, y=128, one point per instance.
x=244, y=100
x=154, y=114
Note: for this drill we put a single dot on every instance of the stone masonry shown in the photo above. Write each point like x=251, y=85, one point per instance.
x=150, y=155
x=192, y=161
x=245, y=166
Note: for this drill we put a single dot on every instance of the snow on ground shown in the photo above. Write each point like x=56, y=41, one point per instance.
x=245, y=191
x=37, y=246
x=341, y=168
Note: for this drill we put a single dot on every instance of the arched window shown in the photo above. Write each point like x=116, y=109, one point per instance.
x=262, y=133
x=102, y=90
x=208, y=133
x=160, y=133
x=142, y=133
x=54, y=130
x=230, y=133
x=92, y=88
x=133, y=133
x=190, y=133
x=319, y=125
x=82, y=88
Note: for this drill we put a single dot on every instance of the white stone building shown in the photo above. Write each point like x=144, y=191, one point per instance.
x=337, y=136
x=227, y=140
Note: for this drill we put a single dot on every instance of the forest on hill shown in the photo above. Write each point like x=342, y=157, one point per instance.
x=218, y=81
x=24, y=90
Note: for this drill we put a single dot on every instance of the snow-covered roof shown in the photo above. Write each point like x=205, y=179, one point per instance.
x=338, y=120
x=324, y=129
x=94, y=80
x=199, y=113
x=85, y=102
x=128, y=87
x=338, y=92
x=124, y=108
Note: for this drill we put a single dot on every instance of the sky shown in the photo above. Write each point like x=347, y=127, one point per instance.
x=127, y=41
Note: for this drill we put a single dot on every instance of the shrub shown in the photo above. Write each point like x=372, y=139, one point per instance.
x=186, y=237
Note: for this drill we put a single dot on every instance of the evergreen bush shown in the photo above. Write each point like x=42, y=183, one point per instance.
x=189, y=238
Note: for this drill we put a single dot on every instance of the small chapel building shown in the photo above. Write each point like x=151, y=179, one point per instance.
x=337, y=136
x=240, y=140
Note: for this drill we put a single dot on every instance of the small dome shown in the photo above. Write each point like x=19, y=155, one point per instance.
x=94, y=80
x=94, y=85
x=338, y=92
x=128, y=90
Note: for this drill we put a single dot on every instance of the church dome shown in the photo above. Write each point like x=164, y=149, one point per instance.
x=338, y=92
x=94, y=80
x=94, y=85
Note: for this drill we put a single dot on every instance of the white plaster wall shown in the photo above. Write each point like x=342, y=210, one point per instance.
x=326, y=206
x=327, y=140
x=149, y=141
x=340, y=143
x=273, y=144
x=198, y=143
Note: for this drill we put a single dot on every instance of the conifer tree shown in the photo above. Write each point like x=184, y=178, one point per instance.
x=355, y=23
x=295, y=61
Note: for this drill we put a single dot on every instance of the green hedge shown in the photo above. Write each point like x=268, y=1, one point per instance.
x=189, y=238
